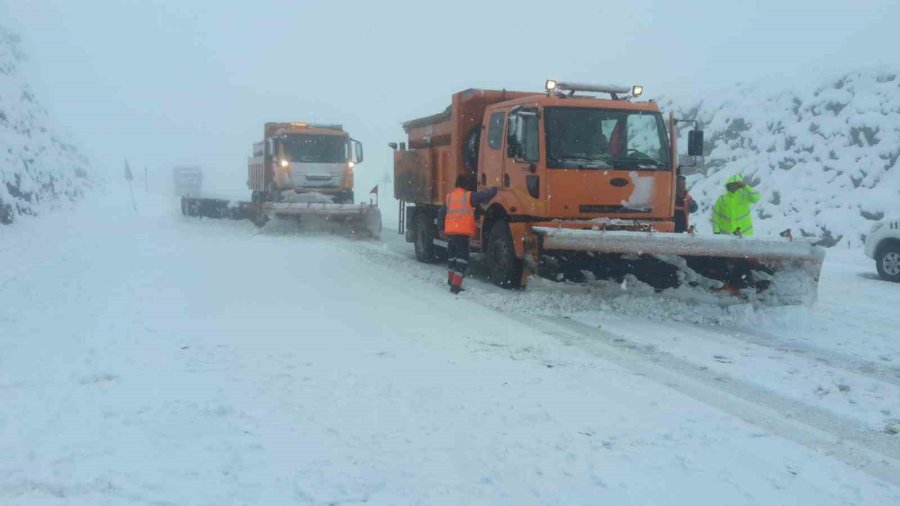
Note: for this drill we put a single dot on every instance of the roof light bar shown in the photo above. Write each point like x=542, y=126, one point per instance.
x=333, y=126
x=554, y=86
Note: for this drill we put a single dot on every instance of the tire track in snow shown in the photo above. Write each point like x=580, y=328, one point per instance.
x=836, y=360
x=877, y=454
x=874, y=453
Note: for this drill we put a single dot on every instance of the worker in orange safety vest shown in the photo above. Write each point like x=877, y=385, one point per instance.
x=684, y=205
x=458, y=219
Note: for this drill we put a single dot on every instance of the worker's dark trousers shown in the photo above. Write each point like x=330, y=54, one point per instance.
x=457, y=259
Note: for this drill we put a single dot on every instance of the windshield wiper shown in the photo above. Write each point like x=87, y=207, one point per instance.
x=642, y=162
x=585, y=162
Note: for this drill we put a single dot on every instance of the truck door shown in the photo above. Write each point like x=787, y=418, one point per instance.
x=522, y=160
x=492, y=155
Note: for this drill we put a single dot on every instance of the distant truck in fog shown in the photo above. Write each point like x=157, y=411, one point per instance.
x=303, y=158
x=187, y=180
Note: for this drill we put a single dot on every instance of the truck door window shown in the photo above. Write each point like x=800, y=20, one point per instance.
x=495, y=130
x=522, y=135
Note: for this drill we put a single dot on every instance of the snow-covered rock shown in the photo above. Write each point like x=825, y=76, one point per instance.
x=824, y=155
x=39, y=170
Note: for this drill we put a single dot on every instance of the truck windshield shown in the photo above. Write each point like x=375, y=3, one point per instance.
x=587, y=138
x=316, y=148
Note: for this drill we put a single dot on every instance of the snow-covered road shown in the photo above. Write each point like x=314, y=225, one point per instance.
x=153, y=359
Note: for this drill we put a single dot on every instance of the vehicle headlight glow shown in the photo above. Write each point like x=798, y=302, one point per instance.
x=637, y=90
x=285, y=163
x=550, y=85
x=351, y=164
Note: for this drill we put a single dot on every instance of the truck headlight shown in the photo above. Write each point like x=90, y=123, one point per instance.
x=284, y=163
x=351, y=164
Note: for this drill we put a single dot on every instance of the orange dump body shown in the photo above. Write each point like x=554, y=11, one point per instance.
x=475, y=135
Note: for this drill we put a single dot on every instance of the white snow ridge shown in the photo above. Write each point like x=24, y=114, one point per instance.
x=824, y=156
x=38, y=169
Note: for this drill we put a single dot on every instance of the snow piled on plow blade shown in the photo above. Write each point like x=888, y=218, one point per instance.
x=362, y=219
x=770, y=271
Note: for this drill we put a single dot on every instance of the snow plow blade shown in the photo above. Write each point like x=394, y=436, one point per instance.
x=774, y=271
x=203, y=207
x=360, y=219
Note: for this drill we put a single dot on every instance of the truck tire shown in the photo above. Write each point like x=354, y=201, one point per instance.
x=505, y=269
x=887, y=261
x=425, y=232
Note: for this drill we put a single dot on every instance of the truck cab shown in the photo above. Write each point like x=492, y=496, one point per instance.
x=306, y=159
x=600, y=158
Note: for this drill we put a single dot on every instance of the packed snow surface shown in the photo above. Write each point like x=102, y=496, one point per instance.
x=149, y=358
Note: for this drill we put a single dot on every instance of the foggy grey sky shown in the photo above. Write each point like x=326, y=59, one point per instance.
x=173, y=81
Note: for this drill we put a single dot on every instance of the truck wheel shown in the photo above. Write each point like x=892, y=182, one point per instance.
x=887, y=260
x=424, y=239
x=504, y=267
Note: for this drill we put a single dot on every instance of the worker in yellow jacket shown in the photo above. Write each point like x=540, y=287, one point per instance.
x=731, y=214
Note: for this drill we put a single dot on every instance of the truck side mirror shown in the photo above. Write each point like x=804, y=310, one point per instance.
x=358, y=151
x=695, y=143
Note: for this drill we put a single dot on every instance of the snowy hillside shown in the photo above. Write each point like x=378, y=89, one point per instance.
x=824, y=156
x=38, y=169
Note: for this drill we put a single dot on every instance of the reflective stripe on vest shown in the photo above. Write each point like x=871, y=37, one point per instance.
x=460, y=219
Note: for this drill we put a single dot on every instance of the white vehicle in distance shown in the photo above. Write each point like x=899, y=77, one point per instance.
x=883, y=245
x=187, y=180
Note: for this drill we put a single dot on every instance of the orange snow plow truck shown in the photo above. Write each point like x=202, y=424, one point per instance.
x=304, y=158
x=587, y=191
x=299, y=171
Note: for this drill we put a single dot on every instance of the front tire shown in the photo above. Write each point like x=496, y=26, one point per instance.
x=505, y=269
x=887, y=260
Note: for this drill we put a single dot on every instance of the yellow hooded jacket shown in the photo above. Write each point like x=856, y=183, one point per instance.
x=732, y=209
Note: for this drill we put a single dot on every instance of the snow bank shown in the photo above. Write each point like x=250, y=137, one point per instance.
x=823, y=155
x=39, y=170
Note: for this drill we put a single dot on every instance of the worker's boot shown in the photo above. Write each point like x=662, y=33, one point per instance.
x=456, y=283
